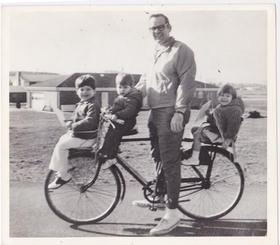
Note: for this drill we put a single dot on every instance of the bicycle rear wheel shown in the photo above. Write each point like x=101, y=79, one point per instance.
x=76, y=205
x=208, y=200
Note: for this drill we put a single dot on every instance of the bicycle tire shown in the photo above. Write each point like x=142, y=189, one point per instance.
x=221, y=196
x=91, y=206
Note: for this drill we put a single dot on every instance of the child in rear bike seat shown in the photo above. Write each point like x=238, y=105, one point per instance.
x=125, y=108
x=82, y=129
x=223, y=121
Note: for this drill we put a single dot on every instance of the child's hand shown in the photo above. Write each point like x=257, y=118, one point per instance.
x=227, y=143
x=69, y=124
x=114, y=117
x=108, y=116
x=111, y=117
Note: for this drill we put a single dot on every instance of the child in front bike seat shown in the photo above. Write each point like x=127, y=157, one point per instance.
x=224, y=118
x=126, y=108
x=82, y=129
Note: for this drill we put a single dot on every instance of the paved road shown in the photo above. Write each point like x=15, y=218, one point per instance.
x=31, y=217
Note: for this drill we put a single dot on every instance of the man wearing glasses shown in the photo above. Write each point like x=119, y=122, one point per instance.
x=169, y=89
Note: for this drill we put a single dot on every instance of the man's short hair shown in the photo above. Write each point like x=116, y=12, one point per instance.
x=229, y=89
x=85, y=80
x=124, y=79
x=161, y=15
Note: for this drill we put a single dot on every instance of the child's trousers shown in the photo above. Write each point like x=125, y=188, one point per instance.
x=113, y=138
x=59, y=160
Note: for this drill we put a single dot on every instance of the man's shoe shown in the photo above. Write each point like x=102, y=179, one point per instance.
x=165, y=226
x=57, y=183
x=146, y=204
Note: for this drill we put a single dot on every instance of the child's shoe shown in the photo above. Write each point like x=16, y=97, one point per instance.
x=193, y=160
x=108, y=163
x=58, y=182
x=105, y=161
x=102, y=158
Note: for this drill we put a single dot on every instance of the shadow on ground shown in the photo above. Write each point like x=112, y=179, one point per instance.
x=223, y=227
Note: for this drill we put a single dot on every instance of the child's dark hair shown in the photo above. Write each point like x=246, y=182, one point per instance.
x=124, y=79
x=85, y=80
x=229, y=89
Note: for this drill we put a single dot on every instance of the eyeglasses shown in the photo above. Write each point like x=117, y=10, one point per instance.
x=159, y=28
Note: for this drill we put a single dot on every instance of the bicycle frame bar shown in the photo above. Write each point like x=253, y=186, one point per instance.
x=132, y=171
x=191, y=180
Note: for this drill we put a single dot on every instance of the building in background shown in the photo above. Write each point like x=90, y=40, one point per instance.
x=45, y=91
x=27, y=78
x=18, y=80
x=59, y=92
x=203, y=93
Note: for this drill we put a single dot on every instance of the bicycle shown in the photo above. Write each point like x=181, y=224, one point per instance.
x=208, y=191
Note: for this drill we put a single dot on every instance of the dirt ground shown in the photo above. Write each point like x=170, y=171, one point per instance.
x=33, y=136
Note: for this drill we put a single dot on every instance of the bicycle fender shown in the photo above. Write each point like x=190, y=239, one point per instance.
x=123, y=189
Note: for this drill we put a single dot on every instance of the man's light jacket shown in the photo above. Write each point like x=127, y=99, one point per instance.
x=171, y=79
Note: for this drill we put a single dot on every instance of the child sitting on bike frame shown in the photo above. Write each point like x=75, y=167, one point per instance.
x=223, y=122
x=125, y=108
x=82, y=129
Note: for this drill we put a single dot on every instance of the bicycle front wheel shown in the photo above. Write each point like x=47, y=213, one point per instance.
x=211, y=198
x=76, y=205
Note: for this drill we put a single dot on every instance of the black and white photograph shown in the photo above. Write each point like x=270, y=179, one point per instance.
x=130, y=123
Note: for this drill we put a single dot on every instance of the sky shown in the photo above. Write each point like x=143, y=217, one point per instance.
x=229, y=45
